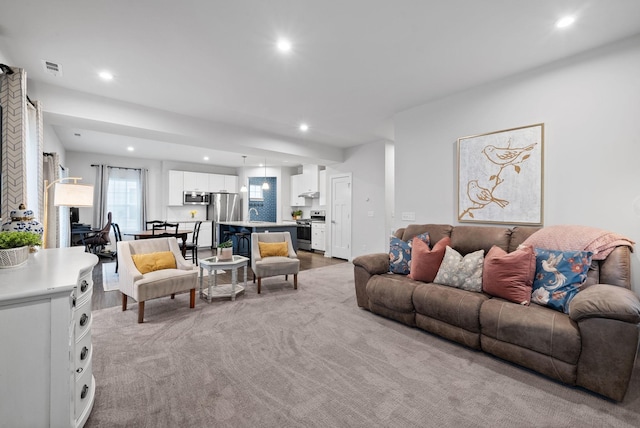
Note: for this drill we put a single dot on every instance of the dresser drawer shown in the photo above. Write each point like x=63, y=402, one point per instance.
x=83, y=352
x=82, y=317
x=84, y=391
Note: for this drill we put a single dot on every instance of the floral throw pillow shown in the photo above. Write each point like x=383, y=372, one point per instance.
x=400, y=254
x=559, y=276
x=461, y=272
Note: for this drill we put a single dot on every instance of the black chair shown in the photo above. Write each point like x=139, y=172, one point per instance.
x=193, y=245
x=94, y=242
x=149, y=224
x=118, y=236
x=164, y=229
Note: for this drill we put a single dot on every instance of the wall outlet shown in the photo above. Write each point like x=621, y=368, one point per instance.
x=408, y=216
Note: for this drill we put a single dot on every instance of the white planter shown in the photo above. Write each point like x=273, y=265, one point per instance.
x=13, y=257
x=225, y=253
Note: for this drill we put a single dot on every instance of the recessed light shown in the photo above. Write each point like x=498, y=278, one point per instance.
x=284, y=45
x=130, y=148
x=105, y=75
x=304, y=127
x=206, y=158
x=565, y=21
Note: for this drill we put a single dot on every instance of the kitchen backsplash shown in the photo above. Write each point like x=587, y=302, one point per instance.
x=184, y=213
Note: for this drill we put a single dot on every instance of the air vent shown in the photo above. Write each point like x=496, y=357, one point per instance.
x=52, y=68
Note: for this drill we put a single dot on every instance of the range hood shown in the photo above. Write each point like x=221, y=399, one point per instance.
x=312, y=195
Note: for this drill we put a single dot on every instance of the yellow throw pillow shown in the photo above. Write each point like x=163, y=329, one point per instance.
x=154, y=261
x=271, y=249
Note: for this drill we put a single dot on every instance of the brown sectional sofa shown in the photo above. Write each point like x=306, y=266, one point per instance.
x=594, y=346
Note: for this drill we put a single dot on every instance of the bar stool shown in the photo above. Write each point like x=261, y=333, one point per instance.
x=243, y=242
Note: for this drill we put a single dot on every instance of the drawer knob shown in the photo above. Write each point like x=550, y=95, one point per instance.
x=84, y=352
x=84, y=285
x=83, y=320
x=85, y=391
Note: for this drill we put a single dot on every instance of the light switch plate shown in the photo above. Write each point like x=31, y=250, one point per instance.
x=408, y=216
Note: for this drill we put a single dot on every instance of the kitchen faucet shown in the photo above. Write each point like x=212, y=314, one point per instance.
x=253, y=209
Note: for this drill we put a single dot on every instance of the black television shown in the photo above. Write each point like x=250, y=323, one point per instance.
x=74, y=213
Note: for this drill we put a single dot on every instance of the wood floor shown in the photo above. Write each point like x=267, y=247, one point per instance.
x=102, y=299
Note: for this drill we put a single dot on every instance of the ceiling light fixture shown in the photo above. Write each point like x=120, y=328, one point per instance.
x=243, y=189
x=565, y=21
x=304, y=127
x=105, y=75
x=130, y=148
x=284, y=45
x=206, y=158
x=265, y=185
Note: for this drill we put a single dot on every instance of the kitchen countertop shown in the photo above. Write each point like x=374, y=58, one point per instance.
x=250, y=224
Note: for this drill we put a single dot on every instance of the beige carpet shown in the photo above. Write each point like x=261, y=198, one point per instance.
x=312, y=358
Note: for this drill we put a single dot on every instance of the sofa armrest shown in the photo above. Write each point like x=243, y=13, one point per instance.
x=375, y=264
x=606, y=301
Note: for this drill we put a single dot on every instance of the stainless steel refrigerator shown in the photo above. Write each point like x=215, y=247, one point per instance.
x=223, y=207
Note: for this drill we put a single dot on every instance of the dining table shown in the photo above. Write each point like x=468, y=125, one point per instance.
x=179, y=234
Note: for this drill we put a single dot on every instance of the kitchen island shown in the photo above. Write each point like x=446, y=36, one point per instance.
x=229, y=228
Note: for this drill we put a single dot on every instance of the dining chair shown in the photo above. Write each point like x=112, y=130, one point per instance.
x=149, y=224
x=272, y=254
x=193, y=245
x=164, y=229
x=94, y=242
x=118, y=237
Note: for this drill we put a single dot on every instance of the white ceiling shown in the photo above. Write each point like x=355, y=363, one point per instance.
x=354, y=64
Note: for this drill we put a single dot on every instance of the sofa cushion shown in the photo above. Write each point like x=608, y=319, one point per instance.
x=533, y=327
x=559, y=275
x=436, y=231
x=461, y=272
x=150, y=262
x=509, y=275
x=425, y=262
x=400, y=254
x=453, y=306
x=392, y=291
x=468, y=239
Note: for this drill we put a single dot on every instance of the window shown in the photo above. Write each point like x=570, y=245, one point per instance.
x=124, y=198
x=255, y=192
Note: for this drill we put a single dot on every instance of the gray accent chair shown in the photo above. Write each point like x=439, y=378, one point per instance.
x=159, y=283
x=274, y=265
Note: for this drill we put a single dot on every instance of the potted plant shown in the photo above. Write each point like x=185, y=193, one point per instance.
x=15, y=245
x=225, y=250
x=296, y=214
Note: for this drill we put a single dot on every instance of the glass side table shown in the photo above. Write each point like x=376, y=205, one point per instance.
x=212, y=264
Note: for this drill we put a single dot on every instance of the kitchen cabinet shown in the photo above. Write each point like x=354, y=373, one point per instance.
x=205, y=238
x=216, y=182
x=322, y=187
x=296, y=188
x=176, y=187
x=231, y=183
x=198, y=181
x=46, y=358
x=309, y=181
x=318, y=236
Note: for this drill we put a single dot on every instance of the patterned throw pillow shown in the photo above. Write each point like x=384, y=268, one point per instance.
x=400, y=254
x=559, y=275
x=461, y=272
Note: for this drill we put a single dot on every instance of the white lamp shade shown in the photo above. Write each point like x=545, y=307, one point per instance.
x=72, y=195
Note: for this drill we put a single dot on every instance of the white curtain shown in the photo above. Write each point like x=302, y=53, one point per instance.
x=100, y=196
x=51, y=173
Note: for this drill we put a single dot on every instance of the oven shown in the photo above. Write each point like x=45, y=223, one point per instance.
x=303, y=227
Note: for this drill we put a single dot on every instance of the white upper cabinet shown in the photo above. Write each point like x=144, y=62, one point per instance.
x=322, y=187
x=296, y=188
x=198, y=181
x=216, y=182
x=231, y=183
x=176, y=187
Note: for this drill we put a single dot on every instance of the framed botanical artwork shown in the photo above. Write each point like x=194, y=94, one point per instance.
x=500, y=176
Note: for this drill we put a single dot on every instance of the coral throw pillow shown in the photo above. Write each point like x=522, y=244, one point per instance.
x=425, y=262
x=400, y=253
x=559, y=276
x=273, y=249
x=150, y=262
x=461, y=272
x=509, y=275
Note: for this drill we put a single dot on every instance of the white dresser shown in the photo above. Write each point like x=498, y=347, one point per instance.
x=45, y=340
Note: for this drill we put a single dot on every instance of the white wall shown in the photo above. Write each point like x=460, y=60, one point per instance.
x=366, y=163
x=590, y=105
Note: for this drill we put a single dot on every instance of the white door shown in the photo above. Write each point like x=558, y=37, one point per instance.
x=341, y=216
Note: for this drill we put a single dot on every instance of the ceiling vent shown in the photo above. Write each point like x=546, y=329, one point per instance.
x=52, y=68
